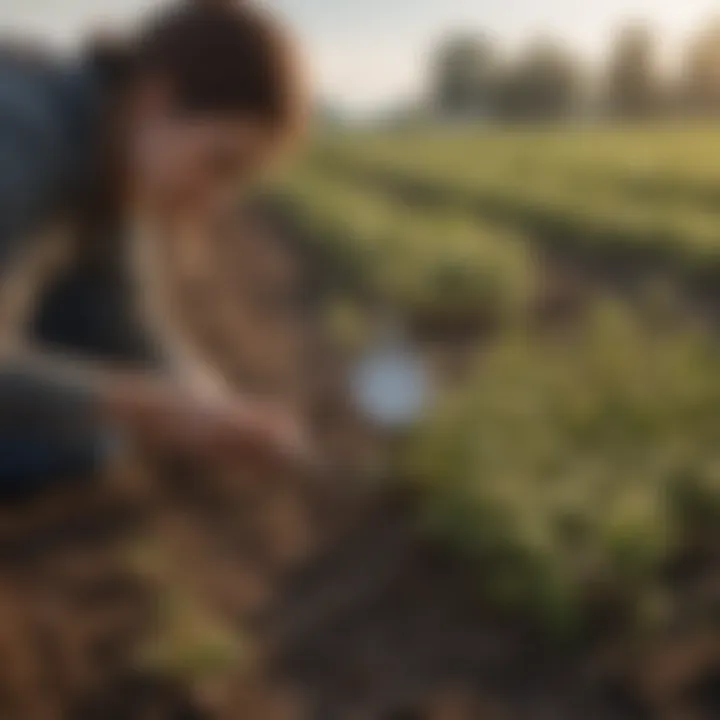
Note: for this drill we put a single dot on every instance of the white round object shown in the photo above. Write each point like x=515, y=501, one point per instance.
x=390, y=387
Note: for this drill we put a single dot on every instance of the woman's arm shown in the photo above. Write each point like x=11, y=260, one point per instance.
x=74, y=400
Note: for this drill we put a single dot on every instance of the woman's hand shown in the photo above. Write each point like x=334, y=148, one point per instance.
x=188, y=424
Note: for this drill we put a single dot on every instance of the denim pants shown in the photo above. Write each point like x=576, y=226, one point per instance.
x=32, y=462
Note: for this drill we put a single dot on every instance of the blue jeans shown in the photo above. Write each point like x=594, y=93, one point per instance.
x=32, y=462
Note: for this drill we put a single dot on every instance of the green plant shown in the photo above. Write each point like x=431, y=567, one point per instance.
x=572, y=471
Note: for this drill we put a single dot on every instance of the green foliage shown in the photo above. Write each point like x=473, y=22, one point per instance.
x=571, y=471
x=465, y=67
x=634, y=84
x=700, y=86
x=425, y=263
x=190, y=640
x=618, y=194
x=543, y=84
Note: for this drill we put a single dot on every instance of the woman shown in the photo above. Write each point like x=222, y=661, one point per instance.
x=92, y=155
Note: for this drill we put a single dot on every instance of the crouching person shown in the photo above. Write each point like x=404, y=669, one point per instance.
x=101, y=158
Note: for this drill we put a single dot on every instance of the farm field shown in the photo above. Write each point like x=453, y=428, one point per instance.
x=625, y=196
x=578, y=461
x=542, y=543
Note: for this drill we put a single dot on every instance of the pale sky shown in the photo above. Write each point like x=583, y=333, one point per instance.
x=368, y=52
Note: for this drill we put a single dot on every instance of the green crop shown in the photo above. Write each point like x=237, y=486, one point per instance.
x=572, y=471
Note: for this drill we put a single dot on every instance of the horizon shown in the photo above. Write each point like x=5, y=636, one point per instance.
x=368, y=55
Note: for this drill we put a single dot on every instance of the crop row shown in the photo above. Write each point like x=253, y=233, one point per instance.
x=676, y=165
x=431, y=264
x=559, y=213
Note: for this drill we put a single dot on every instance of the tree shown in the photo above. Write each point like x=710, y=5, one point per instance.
x=326, y=115
x=543, y=84
x=633, y=85
x=700, y=77
x=464, y=68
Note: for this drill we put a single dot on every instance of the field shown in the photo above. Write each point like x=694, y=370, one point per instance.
x=573, y=465
x=636, y=196
x=543, y=543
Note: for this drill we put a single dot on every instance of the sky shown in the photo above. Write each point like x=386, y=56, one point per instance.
x=365, y=54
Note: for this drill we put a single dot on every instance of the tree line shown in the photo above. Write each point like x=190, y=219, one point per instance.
x=546, y=80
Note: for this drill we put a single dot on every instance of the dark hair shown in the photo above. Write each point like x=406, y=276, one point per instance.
x=219, y=56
